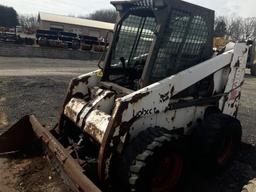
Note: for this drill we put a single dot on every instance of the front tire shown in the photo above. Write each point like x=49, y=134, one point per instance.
x=153, y=162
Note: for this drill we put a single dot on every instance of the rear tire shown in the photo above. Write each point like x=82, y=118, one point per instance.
x=152, y=162
x=251, y=187
x=253, y=70
x=217, y=141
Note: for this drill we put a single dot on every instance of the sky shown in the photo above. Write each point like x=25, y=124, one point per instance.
x=245, y=8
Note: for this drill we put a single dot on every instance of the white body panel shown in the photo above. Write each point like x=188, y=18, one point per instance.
x=158, y=105
x=154, y=106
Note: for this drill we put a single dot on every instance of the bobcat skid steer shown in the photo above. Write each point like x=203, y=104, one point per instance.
x=127, y=125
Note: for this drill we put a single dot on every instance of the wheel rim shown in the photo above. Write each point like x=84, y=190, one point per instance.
x=226, y=152
x=167, y=174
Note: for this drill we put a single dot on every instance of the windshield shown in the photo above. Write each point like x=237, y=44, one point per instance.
x=133, y=43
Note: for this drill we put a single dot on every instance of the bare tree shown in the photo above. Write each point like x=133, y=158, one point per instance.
x=220, y=26
x=235, y=28
x=28, y=22
x=249, y=27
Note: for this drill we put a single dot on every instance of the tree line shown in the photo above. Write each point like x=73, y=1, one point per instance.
x=8, y=17
x=30, y=22
x=236, y=28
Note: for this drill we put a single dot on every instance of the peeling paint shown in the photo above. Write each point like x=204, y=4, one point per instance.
x=3, y=120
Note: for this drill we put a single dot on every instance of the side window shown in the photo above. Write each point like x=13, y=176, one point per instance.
x=184, y=40
x=197, y=37
x=196, y=41
x=171, y=43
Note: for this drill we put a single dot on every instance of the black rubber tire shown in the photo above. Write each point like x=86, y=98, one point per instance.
x=140, y=161
x=211, y=110
x=217, y=141
x=251, y=187
x=253, y=70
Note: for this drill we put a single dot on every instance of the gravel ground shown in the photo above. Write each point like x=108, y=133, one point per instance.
x=38, y=87
x=23, y=67
x=33, y=86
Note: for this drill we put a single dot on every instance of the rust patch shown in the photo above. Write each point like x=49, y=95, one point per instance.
x=166, y=109
x=123, y=106
x=138, y=97
x=172, y=91
x=245, y=50
x=73, y=108
x=124, y=128
x=110, y=95
x=3, y=120
x=237, y=63
x=189, y=124
x=84, y=79
x=73, y=83
x=92, y=130
x=174, y=115
x=80, y=95
x=236, y=112
x=156, y=111
x=164, y=97
x=96, y=124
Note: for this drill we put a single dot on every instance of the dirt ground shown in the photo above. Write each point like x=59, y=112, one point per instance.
x=38, y=86
x=33, y=86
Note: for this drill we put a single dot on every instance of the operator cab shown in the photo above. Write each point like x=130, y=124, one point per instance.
x=156, y=39
x=134, y=36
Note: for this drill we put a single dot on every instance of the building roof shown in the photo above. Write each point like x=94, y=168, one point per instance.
x=75, y=21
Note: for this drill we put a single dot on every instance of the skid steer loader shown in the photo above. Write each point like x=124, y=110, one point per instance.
x=127, y=126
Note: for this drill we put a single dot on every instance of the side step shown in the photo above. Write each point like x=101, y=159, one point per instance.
x=27, y=130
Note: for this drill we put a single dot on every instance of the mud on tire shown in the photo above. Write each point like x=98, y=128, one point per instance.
x=253, y=70
x=218, y=139
x=153, y=161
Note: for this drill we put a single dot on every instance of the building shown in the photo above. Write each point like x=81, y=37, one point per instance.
x=79, y=26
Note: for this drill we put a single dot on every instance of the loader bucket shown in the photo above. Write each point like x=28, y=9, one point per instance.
x=18, y=137
x=25, y=132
